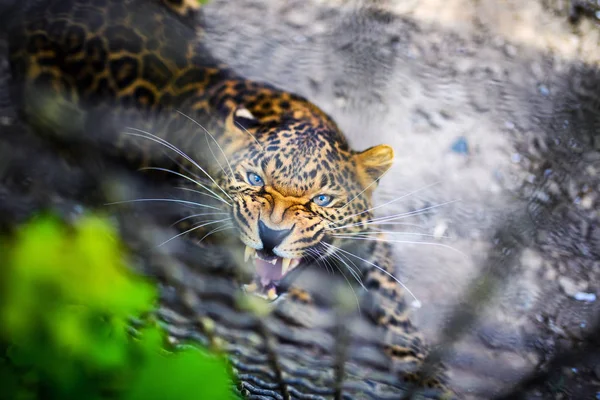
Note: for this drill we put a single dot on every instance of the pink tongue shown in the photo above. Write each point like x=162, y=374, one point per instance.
x=267, y=271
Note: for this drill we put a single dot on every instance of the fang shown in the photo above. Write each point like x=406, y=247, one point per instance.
x=249, y=252
x=285, y=265
x=272, y=294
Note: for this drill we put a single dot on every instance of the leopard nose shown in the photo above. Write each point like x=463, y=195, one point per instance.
x=271, y=238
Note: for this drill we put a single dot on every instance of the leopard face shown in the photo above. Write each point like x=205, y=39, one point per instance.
x=294, y=185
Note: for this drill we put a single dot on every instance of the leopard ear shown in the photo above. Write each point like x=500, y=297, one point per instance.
x=239, y=125
x=242, y=118
x=374, y=162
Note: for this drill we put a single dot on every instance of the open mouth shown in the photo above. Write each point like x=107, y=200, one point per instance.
x=270, y=270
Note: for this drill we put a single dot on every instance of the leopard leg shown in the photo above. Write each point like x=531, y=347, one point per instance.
x=389, y=307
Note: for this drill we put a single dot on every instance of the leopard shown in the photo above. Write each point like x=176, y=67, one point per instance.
x=277, y=165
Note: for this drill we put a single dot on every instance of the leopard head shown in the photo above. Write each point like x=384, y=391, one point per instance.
x=295, y=185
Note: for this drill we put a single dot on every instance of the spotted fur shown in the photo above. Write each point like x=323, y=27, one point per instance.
x=116, y=63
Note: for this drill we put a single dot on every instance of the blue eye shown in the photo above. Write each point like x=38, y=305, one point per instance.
x=322, y=200
x=254, y=179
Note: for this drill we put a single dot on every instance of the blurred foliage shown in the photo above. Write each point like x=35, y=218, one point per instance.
x=66, y=299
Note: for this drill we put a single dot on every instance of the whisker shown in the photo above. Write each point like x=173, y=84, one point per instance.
x=183, y=167
x=219, y=229
x=331, y=252
x=374, y=227
x=317, y=258
x=167, y=200
x=328, y=252
x=379, y=268
x=355, y=275
x=216, y=196
x=215, y=140
x=352, y=288
x=156, y=139
x=215, y=156
x=196, y=181
x=251, y=135
x=399, y=223
x=414, y=212
x=326, y=260
x=199, y=192
x=328, y=263
x=392, y=201
x=192, y=229
x=368, y=234
x=402, y=241
x=394, y=217
x=365, y=189
x=194, y=216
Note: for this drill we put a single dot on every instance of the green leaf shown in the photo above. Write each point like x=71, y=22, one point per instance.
x=66, y=298
x=189, y=374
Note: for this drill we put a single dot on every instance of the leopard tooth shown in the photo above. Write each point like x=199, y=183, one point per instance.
x=272, y=294
x=249, y=252
x=251, y=287
x=285, y=265
x=274, y=261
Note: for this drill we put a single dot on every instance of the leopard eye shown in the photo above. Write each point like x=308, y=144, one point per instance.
x=322, y=200
x=254, y=179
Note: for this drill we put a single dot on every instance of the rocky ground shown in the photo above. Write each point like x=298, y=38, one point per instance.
x=493, y=113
